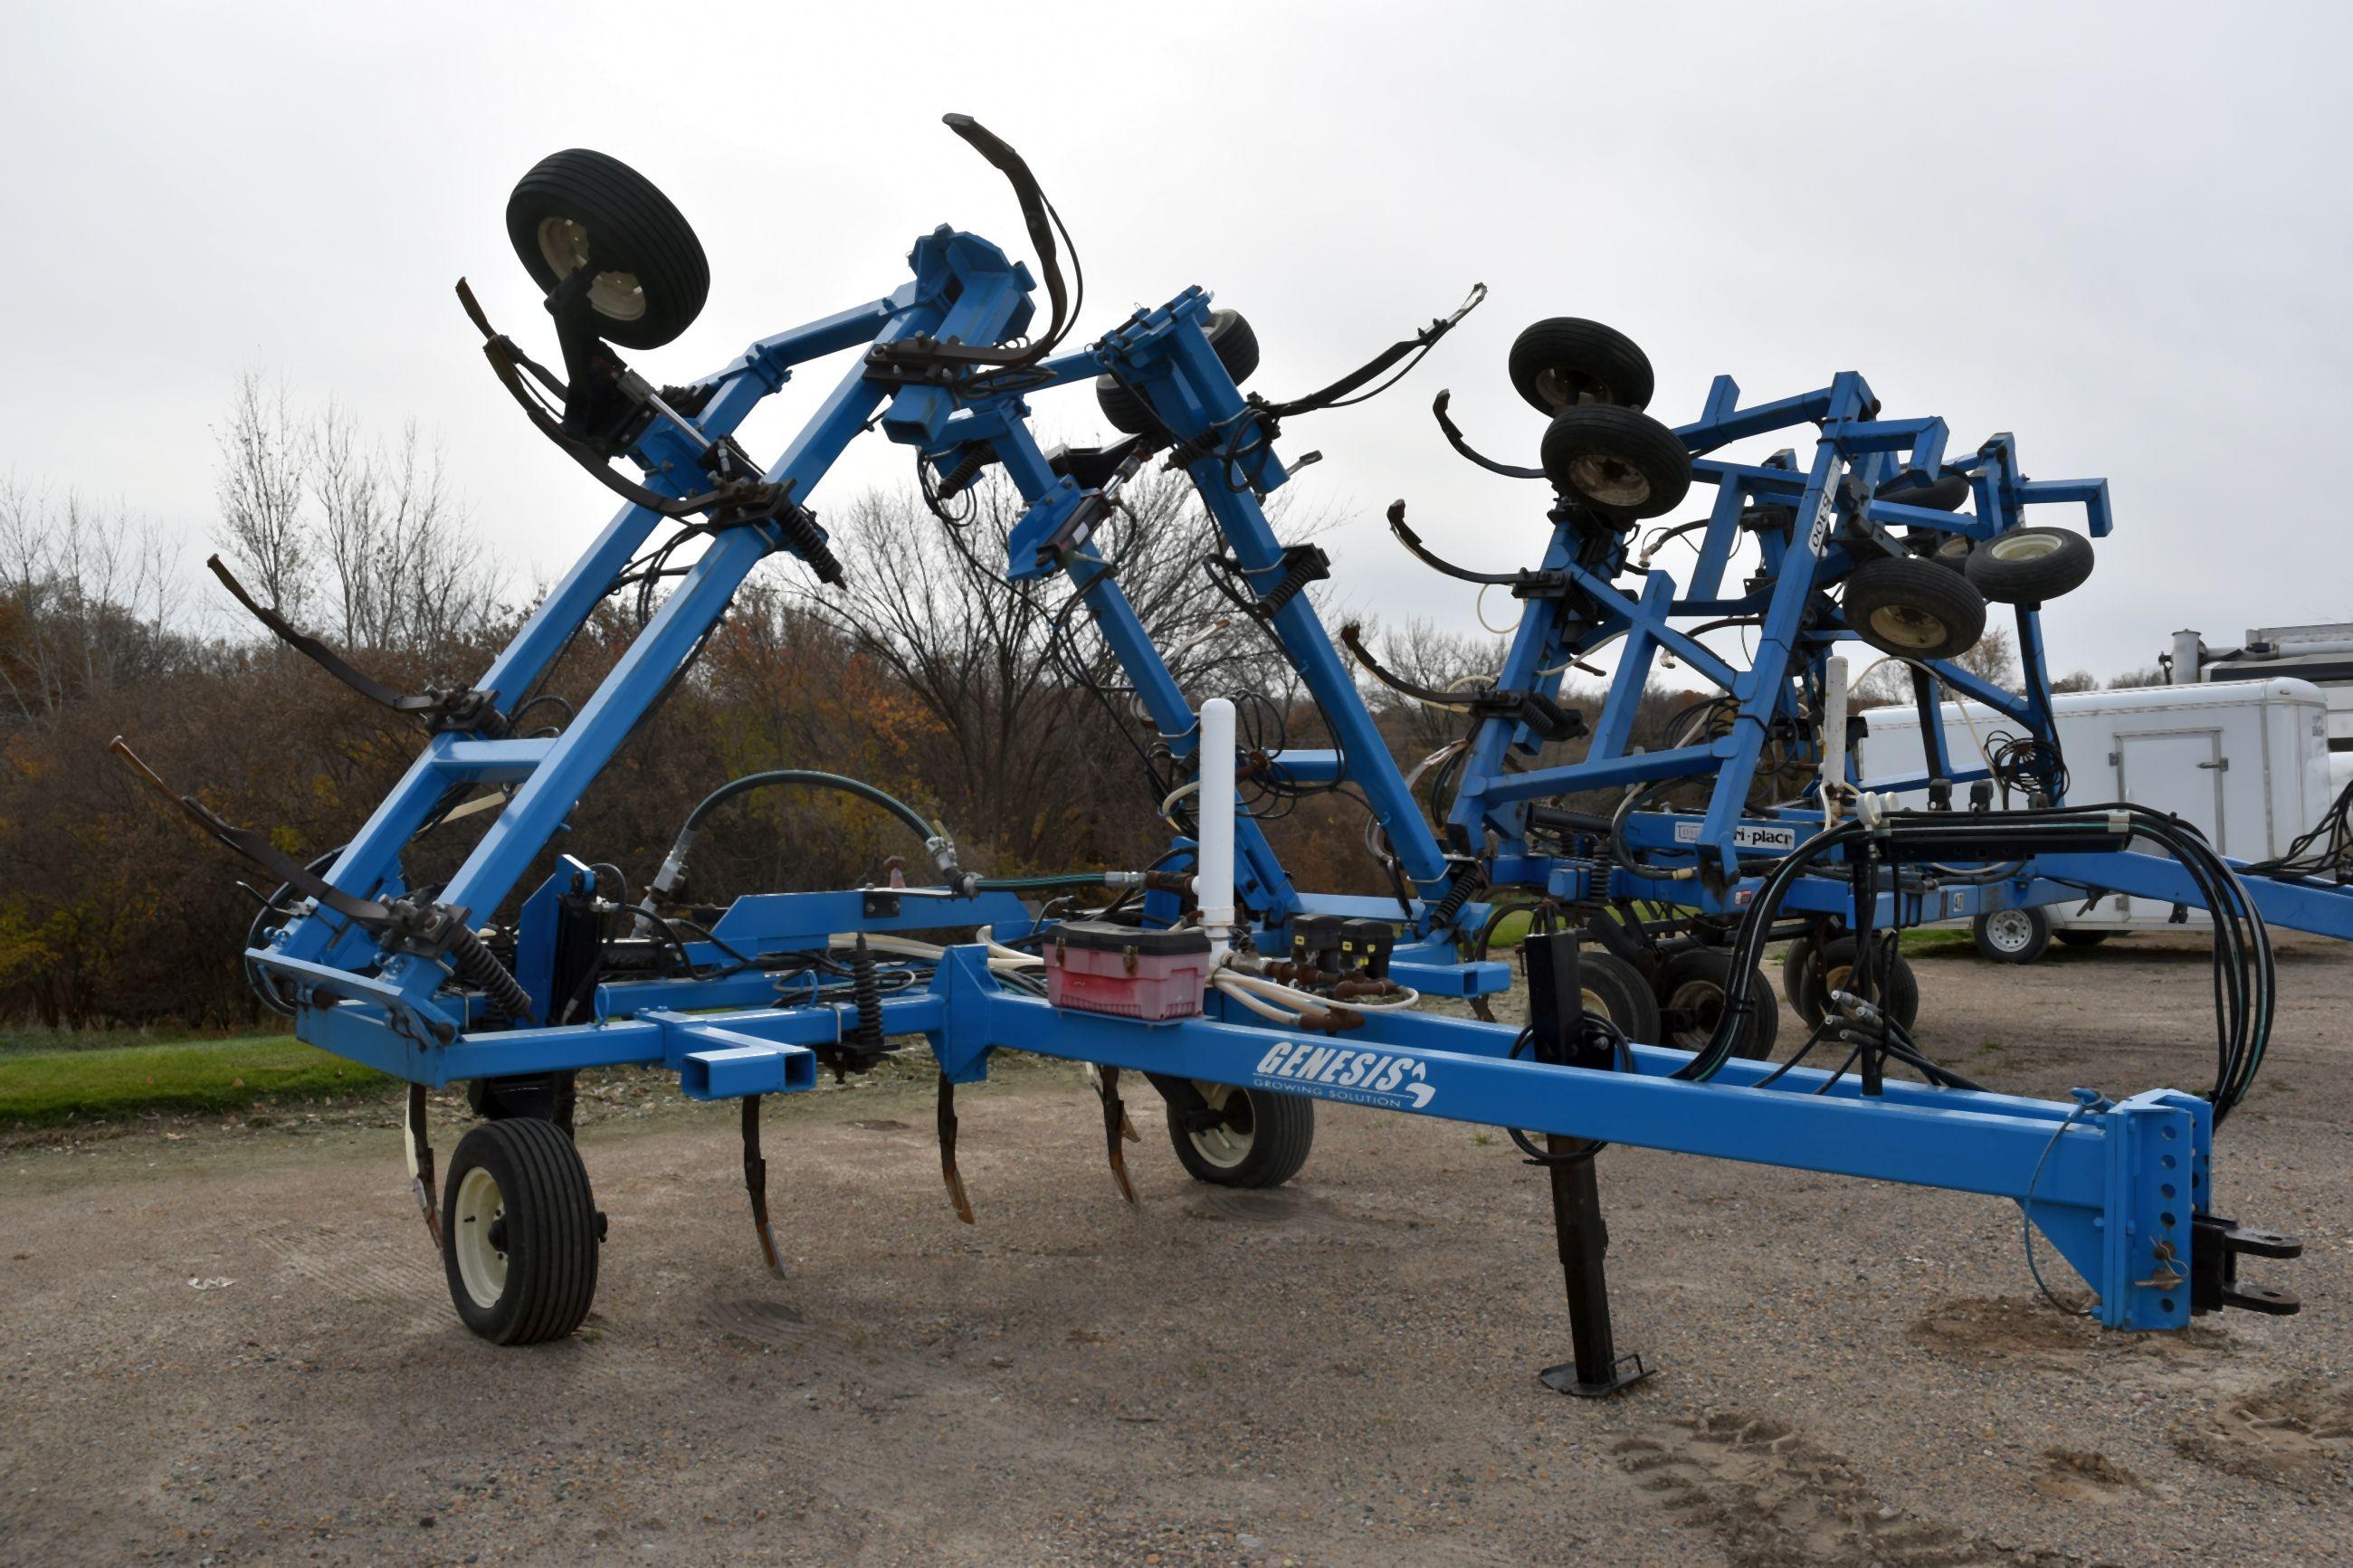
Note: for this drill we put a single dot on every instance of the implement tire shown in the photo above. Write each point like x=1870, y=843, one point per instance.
x=582, y=207
x=1692, y=988
x=520, y=1232
x=1262, y=1140
x=1811, y=971
x=2029, y=566
x=1619, y=461
x=1914, y=609
x=1230, y=335
x=1565, y=361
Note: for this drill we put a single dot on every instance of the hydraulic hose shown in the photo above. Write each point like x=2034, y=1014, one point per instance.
x=2243, y=982
x=936, y=843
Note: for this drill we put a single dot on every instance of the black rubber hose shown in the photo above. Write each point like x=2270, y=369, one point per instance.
x=807, y=778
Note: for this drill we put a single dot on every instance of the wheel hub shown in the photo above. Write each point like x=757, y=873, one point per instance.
x=1907, y=625
x=1227, y=1144
x=616, y=295
x=2012, y=931
x=1702, y=1007
x=1608, y=481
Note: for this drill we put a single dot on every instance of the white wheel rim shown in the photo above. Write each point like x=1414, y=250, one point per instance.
x=1222, y=1145
x=1608, y=481
x=481, y=1267
x=1907, y=627
x=2012, y=930
x=2026, y=547
x=615, y=295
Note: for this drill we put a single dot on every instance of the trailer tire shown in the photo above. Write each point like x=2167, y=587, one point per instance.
x=1564, y=361
x=1262, y=1141
x=2029, y=566
x=2082, y=937
x=520, y=1232
x=1694, y=982
x=2012, y=936
x=1619, y=461
x=1617, y=991
x=1914, y=609
x=579, y=206
x=1814, y=969
x=1230, y=335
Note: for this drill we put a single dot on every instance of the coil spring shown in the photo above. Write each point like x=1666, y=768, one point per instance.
x=866, y=992
x=1468, y=884
x=1305, y=568
x=807, y=540
x=478, y=967
x=974, y=459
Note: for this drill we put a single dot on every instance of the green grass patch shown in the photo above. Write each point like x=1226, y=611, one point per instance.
x=45, y=1089
x=1935, y=944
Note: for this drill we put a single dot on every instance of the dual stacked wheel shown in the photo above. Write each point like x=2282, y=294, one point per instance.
x=1600, y=448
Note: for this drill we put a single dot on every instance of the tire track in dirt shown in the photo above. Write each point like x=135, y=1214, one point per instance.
x=400, y=1274
x=1775, y=1499
x=2290, y=1434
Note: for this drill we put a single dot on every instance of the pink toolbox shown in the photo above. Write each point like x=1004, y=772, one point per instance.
x=1099, y=967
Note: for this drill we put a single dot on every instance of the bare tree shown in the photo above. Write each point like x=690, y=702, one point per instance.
x=406, y=573
x=1429, y=656
x=2076, y=680
x=2147, y=675
x=260, y=486
x=1031, y=700
x=88, y=598
x=1994, y=658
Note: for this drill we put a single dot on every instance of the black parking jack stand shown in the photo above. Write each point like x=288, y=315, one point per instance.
x=1555, y=1016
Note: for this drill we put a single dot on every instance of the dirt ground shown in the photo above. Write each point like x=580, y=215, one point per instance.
x=236, y=1346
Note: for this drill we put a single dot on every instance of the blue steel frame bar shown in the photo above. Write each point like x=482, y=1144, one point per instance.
x=1166, y=355
x=2108, y=1189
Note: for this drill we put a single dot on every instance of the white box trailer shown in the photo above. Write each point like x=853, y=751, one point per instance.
x=2245, y=762
x=2322, y=655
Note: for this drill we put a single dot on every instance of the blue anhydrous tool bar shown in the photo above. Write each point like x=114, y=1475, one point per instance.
x=2118, y=1188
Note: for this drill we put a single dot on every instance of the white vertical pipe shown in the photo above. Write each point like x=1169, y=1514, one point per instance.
x=1833, y=734
x=2187, y=647
x=1213, y=883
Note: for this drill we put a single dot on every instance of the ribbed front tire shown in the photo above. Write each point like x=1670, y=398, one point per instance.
x=519, y=1232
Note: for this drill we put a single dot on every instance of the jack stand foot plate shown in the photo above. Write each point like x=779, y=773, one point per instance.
x=1624, y=1373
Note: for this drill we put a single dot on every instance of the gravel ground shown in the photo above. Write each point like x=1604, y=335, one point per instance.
x=233, y=1346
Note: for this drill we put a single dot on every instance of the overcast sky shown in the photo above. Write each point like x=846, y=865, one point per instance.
x=2120, y=232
